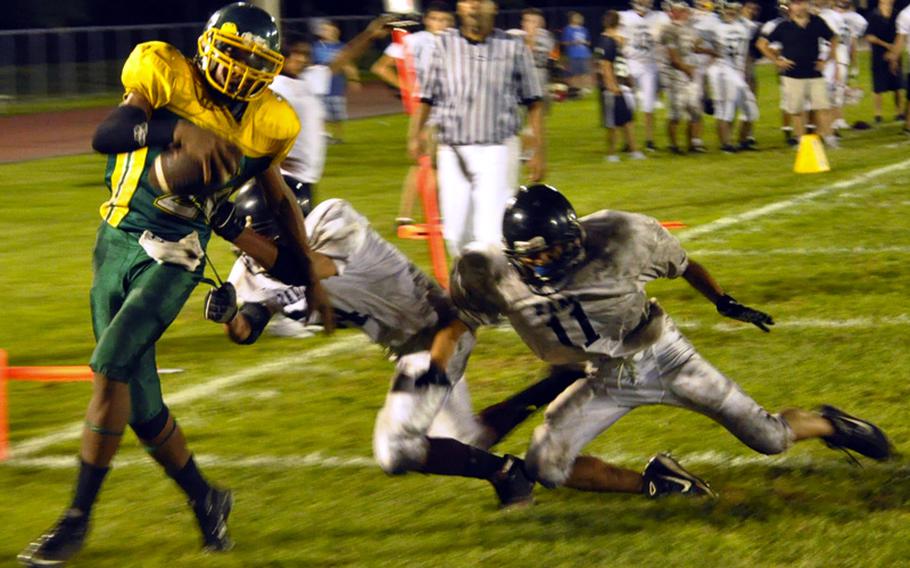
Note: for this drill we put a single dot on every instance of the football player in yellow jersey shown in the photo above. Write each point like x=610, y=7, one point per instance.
x=148, y=256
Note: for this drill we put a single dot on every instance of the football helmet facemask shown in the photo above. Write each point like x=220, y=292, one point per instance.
x=250, y=202
x=239, y=51
x=542, y=238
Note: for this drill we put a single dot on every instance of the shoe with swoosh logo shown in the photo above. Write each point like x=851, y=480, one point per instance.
x=852, y=433
x=664, y=475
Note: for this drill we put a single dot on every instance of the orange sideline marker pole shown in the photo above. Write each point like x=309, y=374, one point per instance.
x=426, y=184
x=4, y=418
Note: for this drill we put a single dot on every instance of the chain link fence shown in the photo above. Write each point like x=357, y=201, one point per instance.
x=39, y=64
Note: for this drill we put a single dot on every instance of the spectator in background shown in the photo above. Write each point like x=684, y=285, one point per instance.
x=336, y=103
x=616, y=97
x=881, y=35
x=837, y=67
x=750, y=16
x=640, y=30
x=681, y=43
x=541, y=43
x=418, y=46
x=416, y=50
x=894, y=55
x=783, y=10
x=577, y=43
x=858, y=25
x=798, y=60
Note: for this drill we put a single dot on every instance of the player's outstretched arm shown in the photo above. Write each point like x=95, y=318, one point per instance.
x=357, y=46
x=290, y=219
x=385, y=69
x=699, y=278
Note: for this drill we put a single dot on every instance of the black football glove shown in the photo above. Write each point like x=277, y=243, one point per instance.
x=221, y=303
x=432, y=376
x=225, y=221
x=729, y=307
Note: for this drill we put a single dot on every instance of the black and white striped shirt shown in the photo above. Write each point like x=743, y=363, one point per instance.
x=476, y=87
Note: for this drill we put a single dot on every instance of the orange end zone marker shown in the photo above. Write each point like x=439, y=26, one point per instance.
x=49, y=374
x=4, y=419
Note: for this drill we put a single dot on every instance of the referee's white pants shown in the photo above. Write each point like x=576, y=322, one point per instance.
x=475, y=181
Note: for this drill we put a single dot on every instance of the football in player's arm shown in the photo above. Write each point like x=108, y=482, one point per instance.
x=214, y=110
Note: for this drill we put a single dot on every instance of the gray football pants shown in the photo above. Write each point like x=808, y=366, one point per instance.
x=411, y=413
x=669, y=372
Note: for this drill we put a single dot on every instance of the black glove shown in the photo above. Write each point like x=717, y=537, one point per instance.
x=225, y=221
x=432, y=376
x=221, y=303
x=729, y=307
x=288, y=269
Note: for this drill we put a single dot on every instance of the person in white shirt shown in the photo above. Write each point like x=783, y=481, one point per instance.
x=858, y=25
x=417, y=46
x=640, y=27
x=728, y=80
x=415, y=51
x=837, y=64
x=303, y=85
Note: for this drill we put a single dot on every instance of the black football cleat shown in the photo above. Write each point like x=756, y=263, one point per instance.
x=851, y=433
x=748, y=145
x=60, y=543
x=212, y=515
x=664, y=475
x=512, y=484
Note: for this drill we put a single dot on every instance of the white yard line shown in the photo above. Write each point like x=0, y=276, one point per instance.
x=73, y=431
x=205, y=389
x=320, y=460
x=766, y=210
x=809, y=323
x=798, y=323
x=821, y=251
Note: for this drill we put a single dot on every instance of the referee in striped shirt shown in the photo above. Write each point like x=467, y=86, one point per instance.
x=476, y=80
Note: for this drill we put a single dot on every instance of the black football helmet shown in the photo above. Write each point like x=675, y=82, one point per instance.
x=250, y=202
x=542, y=237
x=239, y=51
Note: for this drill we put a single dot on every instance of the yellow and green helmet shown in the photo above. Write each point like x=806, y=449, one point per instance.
x=239, y=51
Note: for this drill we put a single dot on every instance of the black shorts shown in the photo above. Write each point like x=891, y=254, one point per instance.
x=614, y=111
x=883, y=80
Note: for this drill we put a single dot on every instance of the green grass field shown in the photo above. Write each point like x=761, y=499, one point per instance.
x=287, y=423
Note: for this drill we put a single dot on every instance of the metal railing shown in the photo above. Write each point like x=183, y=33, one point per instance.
x=85, y=61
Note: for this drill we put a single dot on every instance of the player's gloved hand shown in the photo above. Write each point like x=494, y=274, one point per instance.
x=729, y=307
x=221, y=303
x=225, y=221
x=217, y=156
x=432, y=376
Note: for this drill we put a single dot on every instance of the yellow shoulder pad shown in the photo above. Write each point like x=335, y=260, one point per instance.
x=156, y=70
x=277, y=125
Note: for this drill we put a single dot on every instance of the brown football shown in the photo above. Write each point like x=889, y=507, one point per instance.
x=176, y=171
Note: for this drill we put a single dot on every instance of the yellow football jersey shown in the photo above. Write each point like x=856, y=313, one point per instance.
x=169, y=81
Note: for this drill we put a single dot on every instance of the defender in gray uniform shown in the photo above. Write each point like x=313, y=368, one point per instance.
x=427, y=423
x=574, y=290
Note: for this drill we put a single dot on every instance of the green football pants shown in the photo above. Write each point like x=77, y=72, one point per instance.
x=134, y=299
